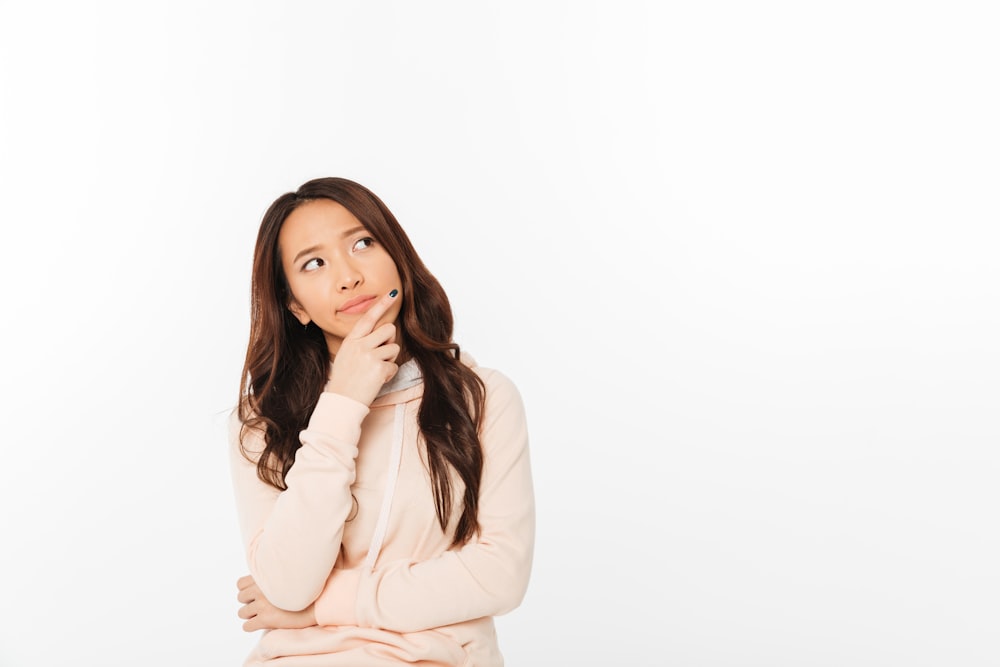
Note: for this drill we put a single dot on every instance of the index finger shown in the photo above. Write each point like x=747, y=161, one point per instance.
x=366, y=323
x=244, y=582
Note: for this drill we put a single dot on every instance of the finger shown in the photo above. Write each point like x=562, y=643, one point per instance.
x=382, y=335
x=387, y=352
x=370, y=318
x=247, y=595
x=392, y=373
x=246, y=611
x=243, y=582
x=252, y=625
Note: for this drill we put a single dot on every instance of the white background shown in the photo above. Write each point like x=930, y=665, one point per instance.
x=740, y=258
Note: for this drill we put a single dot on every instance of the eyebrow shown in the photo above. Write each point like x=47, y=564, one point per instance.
x=306, y=251
x=314, y=248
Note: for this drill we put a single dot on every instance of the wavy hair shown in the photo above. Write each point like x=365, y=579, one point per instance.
x=286, y=364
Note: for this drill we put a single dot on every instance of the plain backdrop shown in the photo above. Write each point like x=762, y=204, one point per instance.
x=740, y=259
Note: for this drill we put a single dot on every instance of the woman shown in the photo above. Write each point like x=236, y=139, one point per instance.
x=382, y=478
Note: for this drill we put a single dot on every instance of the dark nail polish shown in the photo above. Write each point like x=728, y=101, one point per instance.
x=394, y=292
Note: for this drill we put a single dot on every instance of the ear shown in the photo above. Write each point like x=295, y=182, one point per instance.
x=299, y=312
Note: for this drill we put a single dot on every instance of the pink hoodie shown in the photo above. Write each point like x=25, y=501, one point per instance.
x=387, y=587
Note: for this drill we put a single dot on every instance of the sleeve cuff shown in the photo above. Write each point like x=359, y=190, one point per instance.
x=338, y=416
x=336, y=605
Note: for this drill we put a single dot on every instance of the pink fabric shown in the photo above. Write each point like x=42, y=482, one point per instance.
x=421, y=599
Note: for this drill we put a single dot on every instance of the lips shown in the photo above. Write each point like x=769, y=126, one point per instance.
x=357, y=305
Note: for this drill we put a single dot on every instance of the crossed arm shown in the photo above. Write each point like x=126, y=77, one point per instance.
x=294, y=536
x=487, y=576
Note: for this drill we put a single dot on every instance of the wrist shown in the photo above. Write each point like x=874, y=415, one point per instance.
x=345, y=390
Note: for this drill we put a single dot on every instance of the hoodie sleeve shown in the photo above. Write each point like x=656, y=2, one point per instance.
x=292, y=537
x=486, y=577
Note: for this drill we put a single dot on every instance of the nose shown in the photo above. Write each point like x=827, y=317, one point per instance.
x=349, y=278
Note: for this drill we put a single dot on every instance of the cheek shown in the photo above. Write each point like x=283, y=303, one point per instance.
x=307, y=298
x=392, y=316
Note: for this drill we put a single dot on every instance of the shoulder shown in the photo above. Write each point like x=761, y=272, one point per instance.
x=504, y=428
x=503, y=400
x=494, y=381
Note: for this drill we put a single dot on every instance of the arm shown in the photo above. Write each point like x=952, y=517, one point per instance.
x=292, y=537
x=486, y=577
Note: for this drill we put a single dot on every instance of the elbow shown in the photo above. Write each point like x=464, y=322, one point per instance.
x=516, y=594
x=292, y=600
x=288, y=598
x=515, y=585
x=286, y=585
x=512, y=560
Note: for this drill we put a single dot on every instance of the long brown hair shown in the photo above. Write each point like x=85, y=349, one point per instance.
x=287, y=364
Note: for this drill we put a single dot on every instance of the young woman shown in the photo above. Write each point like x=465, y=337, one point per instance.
x=382, y=478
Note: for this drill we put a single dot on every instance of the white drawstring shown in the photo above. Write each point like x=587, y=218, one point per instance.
x=390, y=487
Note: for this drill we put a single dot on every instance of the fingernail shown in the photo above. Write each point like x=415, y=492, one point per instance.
x=394, y=292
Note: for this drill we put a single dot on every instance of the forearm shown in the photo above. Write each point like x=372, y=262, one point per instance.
x=481, y=579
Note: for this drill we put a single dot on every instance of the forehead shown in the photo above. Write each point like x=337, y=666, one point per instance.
x=318, y=217
x=315, y=222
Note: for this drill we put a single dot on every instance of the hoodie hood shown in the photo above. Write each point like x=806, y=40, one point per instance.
x=408, y=375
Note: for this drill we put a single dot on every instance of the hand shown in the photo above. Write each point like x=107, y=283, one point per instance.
x=262, y=615
x=366, y=358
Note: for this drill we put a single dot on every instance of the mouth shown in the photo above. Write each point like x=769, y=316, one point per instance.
x=357, y=305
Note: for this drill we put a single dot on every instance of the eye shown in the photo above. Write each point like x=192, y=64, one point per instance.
x=313, y=264
x=361, y=244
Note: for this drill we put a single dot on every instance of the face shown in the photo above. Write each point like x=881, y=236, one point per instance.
x=335, y=269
